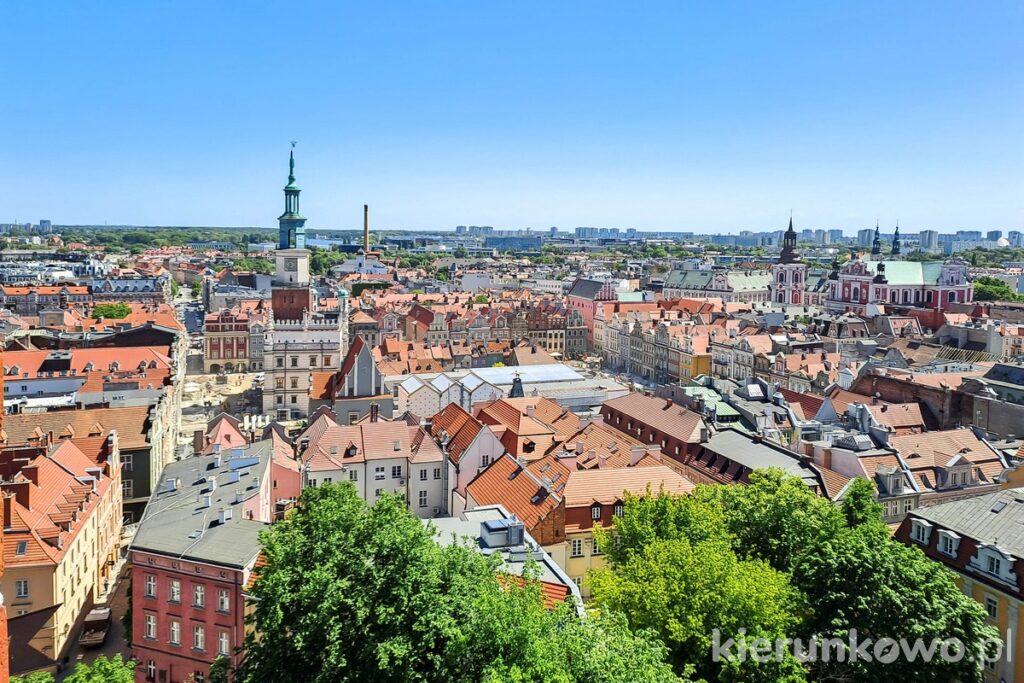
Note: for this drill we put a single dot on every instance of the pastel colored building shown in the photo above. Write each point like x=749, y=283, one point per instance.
x=192, y=558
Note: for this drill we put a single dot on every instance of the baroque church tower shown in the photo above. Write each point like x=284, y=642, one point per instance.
x=789, y=273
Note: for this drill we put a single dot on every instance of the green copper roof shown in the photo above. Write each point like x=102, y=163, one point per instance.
x=908, y=272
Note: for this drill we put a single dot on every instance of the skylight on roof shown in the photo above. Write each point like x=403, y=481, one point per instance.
x=998, y=507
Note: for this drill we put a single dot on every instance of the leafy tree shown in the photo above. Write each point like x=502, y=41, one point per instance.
x=775, y=517
x=34, y=677
x=220, y=670
x=686, y=591
x=103, y=670
x=461, y=252
x=175, y=288
x=481, y=299
x=993, y=289
x=256, y=265
x=112, y=311
x=860, y=505
x=863, y=579
x=441, y=274
x=354, y=593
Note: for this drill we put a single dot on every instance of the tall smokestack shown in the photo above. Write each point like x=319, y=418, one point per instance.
x=366, y=228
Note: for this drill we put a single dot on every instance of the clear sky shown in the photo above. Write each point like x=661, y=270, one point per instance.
x=712, y=117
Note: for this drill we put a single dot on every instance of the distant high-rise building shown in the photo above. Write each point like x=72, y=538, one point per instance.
x=835, y=236
x=929, y=240
x=820, y=236
x=45, y=226
x=1016, y=238
x=993, y=235
x=865, y=237
x=460, y=229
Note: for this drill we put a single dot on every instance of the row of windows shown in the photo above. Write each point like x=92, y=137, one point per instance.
x=198, y=635
x=198, y=593
x=576, y=548
x=294, y=361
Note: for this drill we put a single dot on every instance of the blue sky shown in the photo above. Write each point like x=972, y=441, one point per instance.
x=712, y=117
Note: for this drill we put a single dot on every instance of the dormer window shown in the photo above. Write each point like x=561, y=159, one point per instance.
x=949, y=543
x=921, y=531
x=595, y=512
x=994, y=565
x=895, y=484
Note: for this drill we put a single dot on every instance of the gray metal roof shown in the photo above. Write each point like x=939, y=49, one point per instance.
x=177, y=522
x=745, y=450
x=996, y=518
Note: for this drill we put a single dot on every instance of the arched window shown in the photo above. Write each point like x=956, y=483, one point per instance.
x=782, y=277
x=952, y=297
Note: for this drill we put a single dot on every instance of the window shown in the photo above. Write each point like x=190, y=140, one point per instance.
x=595, y=512
x=150, y=670
x=199, y=596
x=295, y=399
x=175, y=638
x=423, y=499
x=223, y=644
x=378, y=492
x=353, y=417
x=617, y=510
x=949, y=543
x=596, y=549
x=378, y=472
x=198, y=637
x=485, y=460
x=922, y=531
x=423, y=474
x=151, y=626
x=223, y=600
x=295, y=361
x=175, y=591
x=21, y=588
x=280, y=362
x=353, y=475
x=437, y=473
x=577, y=547
x=995, y=565
x=279, y=383
x=578, y=580
x=150, y=586
x=127, y=488
x=908, y=505
x=327, y=361
x=294, y=383
x=126, y=462
x=199, y=677
x=992, y=607
x=396, y=471
x=312, y=361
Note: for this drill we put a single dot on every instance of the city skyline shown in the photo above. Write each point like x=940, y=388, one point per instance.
x=688, y=120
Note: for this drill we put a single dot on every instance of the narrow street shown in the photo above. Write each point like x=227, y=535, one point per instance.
x=115, y=642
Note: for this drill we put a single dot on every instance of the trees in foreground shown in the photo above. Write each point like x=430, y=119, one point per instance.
x=103, y=670
x=777, y=561
x=354, y=593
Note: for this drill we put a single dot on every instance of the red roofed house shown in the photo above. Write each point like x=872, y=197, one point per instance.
x=62, y=530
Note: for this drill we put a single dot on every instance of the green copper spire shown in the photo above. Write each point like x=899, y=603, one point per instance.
x=292, y=230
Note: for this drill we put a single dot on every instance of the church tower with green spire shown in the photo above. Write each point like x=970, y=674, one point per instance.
x=292, y=224
x=897, y=248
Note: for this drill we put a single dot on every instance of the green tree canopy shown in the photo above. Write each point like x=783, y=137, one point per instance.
x=831, y=570
x=103, y=670
x=254, y=264
x=358, y=593
x=112, y=311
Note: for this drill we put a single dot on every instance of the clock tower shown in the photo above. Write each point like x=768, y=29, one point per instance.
x=292, y=256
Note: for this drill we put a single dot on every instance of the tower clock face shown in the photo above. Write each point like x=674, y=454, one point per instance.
x=291, y=264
